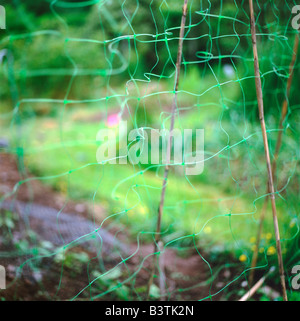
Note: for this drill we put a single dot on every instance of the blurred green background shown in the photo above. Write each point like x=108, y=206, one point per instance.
x=67, y=66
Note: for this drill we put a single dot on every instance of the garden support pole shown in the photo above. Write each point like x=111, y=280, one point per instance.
x=169, y=144
x=276, y=153
x=266, y=148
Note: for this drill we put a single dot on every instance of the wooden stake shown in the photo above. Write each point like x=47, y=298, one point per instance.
x=257, y=285
x=266, y=148
x=169, y=145
x=276, y=153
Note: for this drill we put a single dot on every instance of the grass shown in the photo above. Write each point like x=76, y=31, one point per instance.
x=220, y=206
x=192, y=207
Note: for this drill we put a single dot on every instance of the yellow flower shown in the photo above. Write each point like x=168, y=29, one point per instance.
x=271, y=250
x=269, y=236
x=261, y=250
x=143, y=210
x=253, y=239
x=243, y=258
x=207, y=230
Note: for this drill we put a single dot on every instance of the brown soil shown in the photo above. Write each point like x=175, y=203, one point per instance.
x=47, y=279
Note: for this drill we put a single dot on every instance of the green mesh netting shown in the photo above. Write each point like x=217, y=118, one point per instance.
x=77, y=229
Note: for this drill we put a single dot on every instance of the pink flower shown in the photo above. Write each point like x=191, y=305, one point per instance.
x=113, y=120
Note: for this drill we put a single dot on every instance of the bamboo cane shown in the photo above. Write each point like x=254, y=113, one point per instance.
x=169, y=144
x=256, y=286
x=276, y=153
x=266, y=148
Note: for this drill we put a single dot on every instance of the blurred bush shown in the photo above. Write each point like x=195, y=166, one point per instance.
x=217, y=33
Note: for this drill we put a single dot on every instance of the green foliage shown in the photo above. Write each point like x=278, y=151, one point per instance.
x=7, y=220
x=68, y=65
x=110, y=282
x=215, y=37
x=72, y=260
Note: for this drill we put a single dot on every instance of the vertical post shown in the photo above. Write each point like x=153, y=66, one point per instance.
x=266, y=148
x=276, y=153
x=169, y=143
